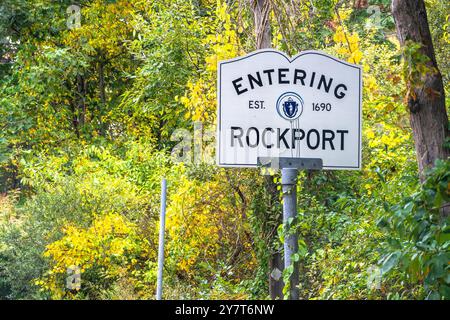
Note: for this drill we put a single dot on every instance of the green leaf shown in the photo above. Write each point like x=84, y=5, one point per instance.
x=390, y=261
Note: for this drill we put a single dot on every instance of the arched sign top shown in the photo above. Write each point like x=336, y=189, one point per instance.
x=273, y=105
x=293, y=58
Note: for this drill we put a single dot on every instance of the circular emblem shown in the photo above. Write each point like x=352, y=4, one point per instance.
x=290, y=105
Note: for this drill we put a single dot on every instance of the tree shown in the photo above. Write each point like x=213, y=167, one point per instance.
x=261, y=9
x=425, y=96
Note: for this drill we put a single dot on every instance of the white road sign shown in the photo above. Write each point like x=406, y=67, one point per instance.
x=308, y=106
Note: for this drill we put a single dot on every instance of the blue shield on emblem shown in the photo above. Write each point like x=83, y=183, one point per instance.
x=290, y=108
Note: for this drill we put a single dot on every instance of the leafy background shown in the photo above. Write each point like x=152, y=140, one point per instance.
x=87, y=116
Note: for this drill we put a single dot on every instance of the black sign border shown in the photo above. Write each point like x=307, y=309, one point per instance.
x=304, y=53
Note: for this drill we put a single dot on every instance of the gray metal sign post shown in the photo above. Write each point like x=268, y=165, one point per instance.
x=162, y=226
x=289, y=188
x=289, y=172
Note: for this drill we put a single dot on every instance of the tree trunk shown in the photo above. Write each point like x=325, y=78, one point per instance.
x=426, y=97
x=261, y=10
x=102, y=90
x=81, y=92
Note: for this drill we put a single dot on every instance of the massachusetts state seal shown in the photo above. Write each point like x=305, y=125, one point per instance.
x=290, y=105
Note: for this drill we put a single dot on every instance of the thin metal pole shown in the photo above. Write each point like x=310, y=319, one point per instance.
x=162, y=226
x=289, y=186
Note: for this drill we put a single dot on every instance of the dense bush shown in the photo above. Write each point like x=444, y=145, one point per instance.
x=418, y=240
